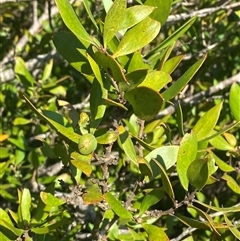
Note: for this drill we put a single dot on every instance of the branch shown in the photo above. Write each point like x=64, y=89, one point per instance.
x=31, y=64
x=201, y=13
x=201, y=95
x=32, y=30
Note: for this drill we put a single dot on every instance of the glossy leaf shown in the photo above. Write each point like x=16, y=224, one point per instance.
x=151, y=199
x=207, y=122
x=71, y=53
x=21, y=121
x=113, y=20
x=222, y=164
x=82, y=162
x=232, y=184
x=110, y=65
x=155, y=233
x=219, y=209
x=193, y=223
x=50, y=200
x=171, y=64
x=97, y=96
x=87, y=5
x=135, y=14
x=23, y=74
x=146, y=31
x=165, y=155
x=107, y=138
x=162, y=10
x=145, y=167
x=234, y=101
x=127, y=144
x=156, y=80
x=175, y=88
x=72, y=22
x=146, y=102
x=11, y=230
x=67, y=133
x=117, y=207
x=25, y=206
x=167, y=185
x=206, y=217
x=221, y=144
x=178, y=33
x=198, y=173
x=232, y=227
x=186, y=155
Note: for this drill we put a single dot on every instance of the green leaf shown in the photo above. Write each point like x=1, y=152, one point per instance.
x=87, y=5
x=146, y=31
x=151, y=199
x=107, y=138
x=220, y=143
x=222, y=165
x=113, y=20
x=92, y=195
x=97, y=96
x=117, y=207
x=207, y=122
x=156, y=80
x=198, y=173
x=219, y=209
x=178, y=33
x=146, y=102
x=134, y=78
x=47, y=70
x=50, y=200
x=155, y=233
x=161, y=11
x=232, y=227
x=23, y=74
x=135, y=14
x=110, y=65
x=165, y=180
x=171, y=64
x=234, y=101
x=165, y=155
x=232, y=184
x=145, y=167
x=71, y=53
x=9, y=230
x=82, y=162
x=186, y=155
x=193, y=223
x=127, y=145
x=72, y=22
x=174, y=89
x=25, y=206
x=206, y=217
x=4, y=152
x=67, y=133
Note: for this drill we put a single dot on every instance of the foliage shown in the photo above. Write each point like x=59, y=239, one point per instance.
x=112, y=167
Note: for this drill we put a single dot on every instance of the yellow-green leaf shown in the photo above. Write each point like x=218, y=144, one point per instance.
x=117, y=207
x=207, y=122
x=186, y=155
x=145, y=31
x=113, y=20
x=234, y=101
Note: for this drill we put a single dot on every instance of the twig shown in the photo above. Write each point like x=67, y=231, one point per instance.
x=32, y=30
x=201, y=95
x=201, y=13
x=31, y=64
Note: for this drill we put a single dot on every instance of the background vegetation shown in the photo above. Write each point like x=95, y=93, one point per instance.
x=49, y=190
